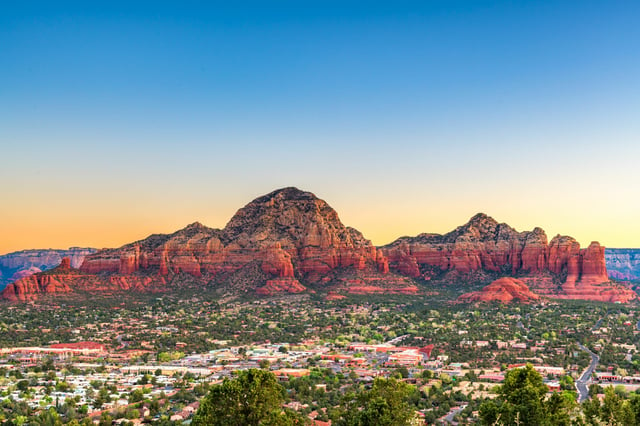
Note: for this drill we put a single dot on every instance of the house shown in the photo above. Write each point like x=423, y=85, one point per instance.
x=407, y=358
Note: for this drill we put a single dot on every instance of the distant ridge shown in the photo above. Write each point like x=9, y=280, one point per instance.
x=290, y=241
x=623, y=263
x=20, y=264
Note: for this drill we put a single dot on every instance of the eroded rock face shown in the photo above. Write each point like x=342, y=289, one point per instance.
x=66, y=279
x=294, y=235
x=503, y=290
x=484, y=245
x=281, y=286
x=305, y=227
x=605, y=292
x=288, y=240
x=28, y=288
x=481, y=244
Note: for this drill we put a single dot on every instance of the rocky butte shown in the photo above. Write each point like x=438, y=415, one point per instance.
x=504, y=290
x=290, y=241
x=483, y=249
x=272, y=245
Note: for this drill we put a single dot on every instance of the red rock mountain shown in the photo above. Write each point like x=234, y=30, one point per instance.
x=504, y=290
x=483, y=246
x=65, y=279
x=270, y=245
x=289, y=240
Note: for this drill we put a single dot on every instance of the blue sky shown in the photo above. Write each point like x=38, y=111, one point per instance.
x=125, y=119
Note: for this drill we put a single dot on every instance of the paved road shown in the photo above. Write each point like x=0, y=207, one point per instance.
x=397, y=339
x=581, y=383
x=598, y=324
x=449, y=417
x=520, y=324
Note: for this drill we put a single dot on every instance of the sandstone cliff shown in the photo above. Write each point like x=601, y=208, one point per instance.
x=55, y=281
x=291, y=235
x=289, y=241
x=66, y=279
x=483, y=247
x=481, y=244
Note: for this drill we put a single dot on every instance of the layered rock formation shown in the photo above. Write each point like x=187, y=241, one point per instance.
x=284, y=228
x=20, y=264
x=290, y=240
x=483, y=247
x=292, y=235
x=66, y=279
x=503, y=290
x=56, y=281
x=481, y=244
x=603, y=292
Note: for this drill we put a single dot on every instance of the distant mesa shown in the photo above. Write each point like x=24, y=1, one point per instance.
x=623, y=263
x=290, y=241
x=25, y=273
x=21, y=264
x=30, y=287
x=503, y=290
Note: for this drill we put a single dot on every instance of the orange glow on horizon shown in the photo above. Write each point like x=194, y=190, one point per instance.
x=30, y=227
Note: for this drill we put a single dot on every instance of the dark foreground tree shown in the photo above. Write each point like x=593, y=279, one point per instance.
x=614, y=409
x=254, y=398
x=522, y=400
x=386, y=404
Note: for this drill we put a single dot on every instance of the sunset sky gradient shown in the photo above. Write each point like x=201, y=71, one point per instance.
x=120, y=120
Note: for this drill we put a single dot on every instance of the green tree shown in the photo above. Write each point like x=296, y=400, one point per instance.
x=253, y=398
x=264, y=364
x=48, y=418
x=136, y=396
x=105, y=419
x=614, y=410
x=403, y=372
x=386, y=404
x=522, y=399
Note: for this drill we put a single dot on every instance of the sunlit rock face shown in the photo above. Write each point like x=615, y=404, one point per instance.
x=291, y=235
x=290, y=241
x=503, y=290
x=483, y=245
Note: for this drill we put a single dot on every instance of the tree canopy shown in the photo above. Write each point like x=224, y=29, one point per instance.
x=522, y=399
x=385, y=404
x=254, y=398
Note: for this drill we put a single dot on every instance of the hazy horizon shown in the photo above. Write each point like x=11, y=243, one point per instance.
x=169, y=231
